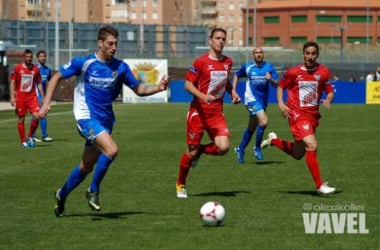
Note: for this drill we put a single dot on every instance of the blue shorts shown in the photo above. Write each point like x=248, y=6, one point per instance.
x=254, y=107
x=91, y=128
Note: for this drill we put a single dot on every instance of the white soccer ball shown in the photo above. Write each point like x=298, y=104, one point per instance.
x=212, y=213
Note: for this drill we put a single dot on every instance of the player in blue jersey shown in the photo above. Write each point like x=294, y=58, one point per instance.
x=45, y=73
x=100, y=77
x=260, y=74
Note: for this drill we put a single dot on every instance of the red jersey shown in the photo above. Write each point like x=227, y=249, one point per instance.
x=210, y=76
x=305, y=88
x=26, y=79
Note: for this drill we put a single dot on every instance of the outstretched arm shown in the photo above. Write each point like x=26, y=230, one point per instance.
x=144, y=90
x=49, y=93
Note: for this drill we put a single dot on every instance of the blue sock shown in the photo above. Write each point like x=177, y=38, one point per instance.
x=43, y=124
x=75, y=178
x=247, y=135
x=259, y=135
x=100, y=171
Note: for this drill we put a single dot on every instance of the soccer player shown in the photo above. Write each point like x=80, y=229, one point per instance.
x=45, y=72
x=100, y=77
x=260, y=74
x=207, y=80
x=25, y=77
x=305, y=84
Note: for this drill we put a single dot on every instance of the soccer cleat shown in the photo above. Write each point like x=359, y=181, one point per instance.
x=268, y=142
x=30, y=142
x=59, y=208
x=181, y=191
x=257, y=152
x=24, y=145
x=35, y=139
x=324, y=189
x=47, y=139
x=239, y=155
x=93, y=200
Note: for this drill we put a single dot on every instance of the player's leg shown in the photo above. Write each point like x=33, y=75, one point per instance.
x=194, y=134
x=21, y=130
x=246, y=138
x=219, y=134
x=109, y=149
x=77, y=175
x=262, y=124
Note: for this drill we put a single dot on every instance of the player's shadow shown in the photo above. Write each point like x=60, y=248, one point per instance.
x=109, y=215
x=263, y=163
x=223, y=193
x=311, y=193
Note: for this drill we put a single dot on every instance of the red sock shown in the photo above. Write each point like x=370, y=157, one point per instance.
x=285, y=146
x=210, y=149
x=312, y=163
x=33, y=127
x=184, y=168
x=21, y=131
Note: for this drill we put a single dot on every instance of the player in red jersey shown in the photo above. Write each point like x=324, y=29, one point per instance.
x=305, y=84
x=25, y=77
x=207, y=80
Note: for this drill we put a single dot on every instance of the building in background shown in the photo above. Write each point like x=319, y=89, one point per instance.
x=210, y=13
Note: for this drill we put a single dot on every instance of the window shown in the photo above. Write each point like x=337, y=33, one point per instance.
x=299, y=19
x=328, y=19
x=231, y=18
x=271, y=19
x=359, y=19
x=154, y=15
x=231, y=6
x=119, y=2
x=298, y=39
x=360, y=39
x=221, y=18
x=271, y=40
x=34, y=2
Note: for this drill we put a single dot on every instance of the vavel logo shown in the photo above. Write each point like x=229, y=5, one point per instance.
x=335, y=223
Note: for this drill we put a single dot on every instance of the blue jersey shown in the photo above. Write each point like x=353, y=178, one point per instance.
x=45, y=73
x=257, y=86
x=98, y=85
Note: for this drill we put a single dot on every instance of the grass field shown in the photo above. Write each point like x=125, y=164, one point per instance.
x=264, y=200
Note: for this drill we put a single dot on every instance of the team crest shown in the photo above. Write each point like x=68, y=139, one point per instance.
x=317, y=77
x=226, y=66
x=91, y=132
x=114, y=73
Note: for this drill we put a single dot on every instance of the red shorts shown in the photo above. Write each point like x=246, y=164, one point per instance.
x=302, y=127
x=25, y=103
x=215, y=124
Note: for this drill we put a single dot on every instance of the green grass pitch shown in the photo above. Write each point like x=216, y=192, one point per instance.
x=264, y=200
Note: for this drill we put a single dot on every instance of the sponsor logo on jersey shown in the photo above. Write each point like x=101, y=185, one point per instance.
x=193, y=69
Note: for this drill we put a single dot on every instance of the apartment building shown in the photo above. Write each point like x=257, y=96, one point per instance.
x=211, y=13
x=270, y=22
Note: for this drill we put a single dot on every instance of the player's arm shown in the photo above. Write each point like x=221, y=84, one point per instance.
x=12, y=92
x=231, y=89
x=145, y=90
x=281, y=104
x=190, y=87
x=49, y=93
x=329, y=97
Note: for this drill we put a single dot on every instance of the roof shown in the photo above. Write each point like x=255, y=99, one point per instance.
x=319, y=4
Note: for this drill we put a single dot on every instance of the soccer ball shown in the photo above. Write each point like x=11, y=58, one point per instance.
x=212, y=213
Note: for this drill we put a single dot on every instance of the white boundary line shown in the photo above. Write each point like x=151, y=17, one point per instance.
x=53, y=114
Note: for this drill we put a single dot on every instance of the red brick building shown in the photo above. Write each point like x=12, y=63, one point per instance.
x=291, y=23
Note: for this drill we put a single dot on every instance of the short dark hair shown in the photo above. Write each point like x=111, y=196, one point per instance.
x=217, y=30
x=28, y=51
x=40, y=52
x=311, y=44
x=107, y=30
